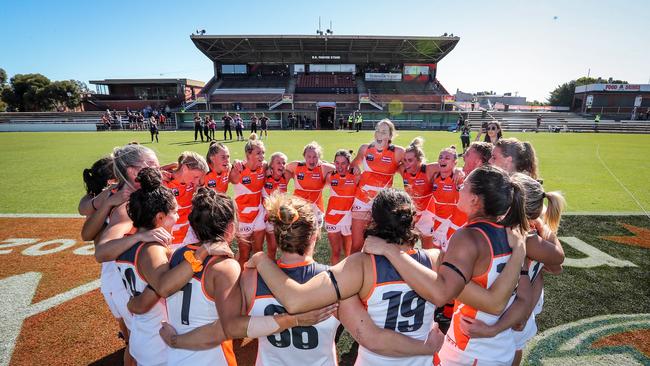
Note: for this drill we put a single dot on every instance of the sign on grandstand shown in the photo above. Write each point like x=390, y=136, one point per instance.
x=380, y=76
x=622, y=87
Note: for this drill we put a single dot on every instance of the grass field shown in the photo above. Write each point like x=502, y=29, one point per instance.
x=598, y=173
x=43, y=170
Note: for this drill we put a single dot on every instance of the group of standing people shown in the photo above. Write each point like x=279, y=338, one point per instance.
x=207, y=126
x=164, y=234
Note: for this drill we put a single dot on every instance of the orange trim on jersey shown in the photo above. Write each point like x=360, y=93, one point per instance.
x=390, y=283
x=135, y=262
x=480, y=278
x=228, y=353
x=411, y=251
x=461, y=338
x=294, y=265
x=485, y=222
x=374, y=281
x=205, y=270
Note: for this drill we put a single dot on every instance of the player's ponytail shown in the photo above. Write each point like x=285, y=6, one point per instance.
x=516, y=215
x=553, y=214
x=294, y=222
x=415, y=147
x=152, y=198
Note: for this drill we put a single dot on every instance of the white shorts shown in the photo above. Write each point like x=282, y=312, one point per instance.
x=320, y=216
x=529, y=331
x=258, y=224
x=116, y=300
x=344, y=226
x=440, y=233
x=424, y=223
x=450, y=356
x=269, y=227
x=360, y=206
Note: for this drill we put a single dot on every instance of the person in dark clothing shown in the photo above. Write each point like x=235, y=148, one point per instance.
x=197, y=126
x=538, y=122
x=264, y=126
x=153, y=129
x=340, y=126
x=254, y=120
x=206, y=128
x=227, y=123
x=464, y=136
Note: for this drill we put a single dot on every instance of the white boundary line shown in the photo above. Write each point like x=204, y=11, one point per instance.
x=35, y=215
x=619, y=182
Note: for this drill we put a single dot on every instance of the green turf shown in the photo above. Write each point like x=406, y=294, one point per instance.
x=43, y=170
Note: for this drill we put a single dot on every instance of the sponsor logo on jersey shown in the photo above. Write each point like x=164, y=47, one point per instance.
x=300, y=176
x=246, y=180
x=370, y=157
x=330, y=227
x=268, y=185
x=176, y=192
x=334, y=183
x=386, y=159
x=419, y=182
x=212, y=183
x=435, y=187
x=447, y=188
x=315, y=176
x=406, y=182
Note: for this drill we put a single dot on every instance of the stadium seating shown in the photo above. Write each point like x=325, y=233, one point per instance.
x=326, y=83
x=245, y=81
x=556, y=122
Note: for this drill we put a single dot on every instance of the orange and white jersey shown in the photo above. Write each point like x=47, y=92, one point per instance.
x=445, y=196
x=145, y=344
x=342, y=189
x=379, y=167
x=500, y=348
x=418, y=188
x=309, y=184
x=190, y=308
x=271, y=185
x=392, y=304
x=248, y=194
x=313, y=345
x=217, y=181
x=183, y=193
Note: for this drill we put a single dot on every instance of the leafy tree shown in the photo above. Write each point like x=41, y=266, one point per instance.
x=562, y=95
x=3, y=76
x=63, y=94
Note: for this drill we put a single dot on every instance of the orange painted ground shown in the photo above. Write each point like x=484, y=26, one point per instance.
x=639, y=339
x=80, y=331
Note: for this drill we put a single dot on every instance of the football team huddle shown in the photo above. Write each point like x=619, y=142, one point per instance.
x=448, y=271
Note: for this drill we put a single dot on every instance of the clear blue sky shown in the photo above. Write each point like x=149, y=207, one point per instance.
x=505, y=46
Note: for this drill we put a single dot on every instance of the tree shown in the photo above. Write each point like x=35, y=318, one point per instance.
x=3, y=77
x=35, y=92
x=63, y=94
x=563, y=95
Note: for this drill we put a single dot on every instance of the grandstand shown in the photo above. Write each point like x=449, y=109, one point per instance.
x=320, y=77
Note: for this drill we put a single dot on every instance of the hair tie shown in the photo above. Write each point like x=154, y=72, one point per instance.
x=295, y=217
x=543, y=194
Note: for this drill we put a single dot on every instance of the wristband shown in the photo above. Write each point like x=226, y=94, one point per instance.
x=523, y=273
x=196, y=264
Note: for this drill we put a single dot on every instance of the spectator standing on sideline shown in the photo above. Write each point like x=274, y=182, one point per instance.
x=350, y=118
x=264, y=126
x=239, y=127
x=197, y=126
x=254, y=120
x=465, y=136
x=359, y=121
x=227, y=122
x=153, y=128
x=292, y=121
x=212, y=126
x=539, y=122
x=206, y=129
x=596, y=122
x=340, y=126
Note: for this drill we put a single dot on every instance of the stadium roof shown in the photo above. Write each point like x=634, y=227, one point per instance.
x=310, y=49
x=188, y=82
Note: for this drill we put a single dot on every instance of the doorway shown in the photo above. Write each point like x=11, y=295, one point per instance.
x=326, y=117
